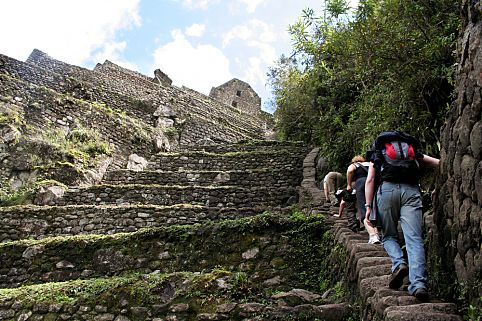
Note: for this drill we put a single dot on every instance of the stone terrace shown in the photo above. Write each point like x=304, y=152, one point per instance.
x=194, y=272
x=176, y=188
x=224, y=122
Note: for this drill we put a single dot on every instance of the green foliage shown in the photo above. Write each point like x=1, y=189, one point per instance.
x=296, y=213
x=387, y=65
x=11, y=117
x=81, y=144
x=474, y=313
x=310, y=250
x=171, y=132
x=9, y=197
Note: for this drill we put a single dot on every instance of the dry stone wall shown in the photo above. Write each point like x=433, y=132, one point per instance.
x=82, y=87
x=214, y=186
x=238, y=94
x=256, y=178
x=247, y=146
x=456, y=237
x=39, y=222
x=132, y=112
x=255, y=276
x=46, y=110
x=137, y=302
x=114, y=78
x=222, y=196
x=258, y=244
x=287, y=159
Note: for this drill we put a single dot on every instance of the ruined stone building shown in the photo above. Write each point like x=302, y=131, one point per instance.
x=238, y=94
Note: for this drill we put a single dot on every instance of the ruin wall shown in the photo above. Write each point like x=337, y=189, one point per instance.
x=238, y=94
x=455, y=238
x=134, y=85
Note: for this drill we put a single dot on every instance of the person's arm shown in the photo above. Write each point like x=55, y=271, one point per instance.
x=369, y=191
x=325, y=190
x=349, y=176
x=429, y=161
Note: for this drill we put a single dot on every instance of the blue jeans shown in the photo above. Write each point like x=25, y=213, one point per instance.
x=403, y=202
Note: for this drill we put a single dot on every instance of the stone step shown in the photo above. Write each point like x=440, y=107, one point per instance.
x=368, y=268
x=38, y=222
x=422, y=312
x=255, y=177
x=177, y=296
x=282, y=160
x=213, y=196
x=247, y=146
x=266, y=245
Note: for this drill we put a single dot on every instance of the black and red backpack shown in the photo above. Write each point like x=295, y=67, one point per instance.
x=395, y=155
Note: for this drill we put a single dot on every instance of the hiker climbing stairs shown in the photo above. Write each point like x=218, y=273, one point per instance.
x=368, y=268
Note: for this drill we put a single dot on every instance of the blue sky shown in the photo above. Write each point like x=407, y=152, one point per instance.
x=198, y=43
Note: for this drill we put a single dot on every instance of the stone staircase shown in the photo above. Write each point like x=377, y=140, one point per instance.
x=141, y=261
x=211, y=254
x=203, y=233
x=369, y=267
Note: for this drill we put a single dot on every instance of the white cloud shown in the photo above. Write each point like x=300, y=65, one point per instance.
x=255, y=71
x=260, y=38
x=195, y=30
x=67, y=30
x=255, y=29
x=251, y=5
x=198, y=4
x=197, y=67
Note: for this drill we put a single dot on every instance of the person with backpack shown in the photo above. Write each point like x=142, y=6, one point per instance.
x=356, y=175
x=393, y=194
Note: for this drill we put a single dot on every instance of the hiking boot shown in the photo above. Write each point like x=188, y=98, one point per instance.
x=396, y=279
x=405, y=284
x=421, y=294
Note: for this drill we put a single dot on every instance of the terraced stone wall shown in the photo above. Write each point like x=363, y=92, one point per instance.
x=224, y=123
x=284, y=159
x=129, y=111
x=122, y=74
x=76, y=81
x=269, y=245
x=257, y=177
x=42, y=110
x=456, y=238
x=247, y=146
x=38, y=222
x=230, y=196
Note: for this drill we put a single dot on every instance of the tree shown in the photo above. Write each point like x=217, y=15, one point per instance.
x=387, y=65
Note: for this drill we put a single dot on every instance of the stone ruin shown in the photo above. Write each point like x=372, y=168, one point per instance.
x=130, y=112
x=238, y=94
x=199, y=224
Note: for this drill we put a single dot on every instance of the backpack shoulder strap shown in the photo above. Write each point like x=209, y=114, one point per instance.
x=358, y=165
